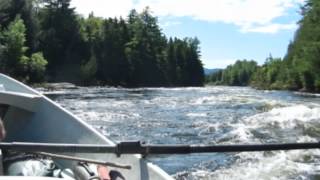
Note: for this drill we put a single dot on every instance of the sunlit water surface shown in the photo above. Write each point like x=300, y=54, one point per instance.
x=210, y=115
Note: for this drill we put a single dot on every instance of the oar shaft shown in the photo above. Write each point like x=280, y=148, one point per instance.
x=138, y=148
x=229, y=148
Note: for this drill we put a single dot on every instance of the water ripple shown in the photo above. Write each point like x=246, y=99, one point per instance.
x=209, y=115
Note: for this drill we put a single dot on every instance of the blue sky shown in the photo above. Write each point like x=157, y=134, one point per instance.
x=227, y=29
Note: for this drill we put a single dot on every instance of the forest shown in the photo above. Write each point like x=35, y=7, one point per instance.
x=298, y=70
x=47, y=41
x=238, y=74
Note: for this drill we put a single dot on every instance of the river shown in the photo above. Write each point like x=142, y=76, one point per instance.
x=209, y=115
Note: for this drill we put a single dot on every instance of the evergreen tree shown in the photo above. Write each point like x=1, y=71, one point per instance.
x=114, y=51
x=239, y=74
x=60, y=38
x=145, y=49
x=172, y=63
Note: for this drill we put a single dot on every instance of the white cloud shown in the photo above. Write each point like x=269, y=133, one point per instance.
x=248, y=15
x=270, y=28
x=170, y=23
x=103, y=8
x=219, y=63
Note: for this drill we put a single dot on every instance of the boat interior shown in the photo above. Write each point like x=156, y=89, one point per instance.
x=29, y=116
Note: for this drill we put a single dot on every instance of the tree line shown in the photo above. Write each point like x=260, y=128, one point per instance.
x=238, y=74
x=300, y=67
x=45, y=40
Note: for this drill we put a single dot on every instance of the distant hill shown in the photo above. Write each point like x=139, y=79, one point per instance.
x=210, y=71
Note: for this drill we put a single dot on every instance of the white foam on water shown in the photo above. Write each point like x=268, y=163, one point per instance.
x=107, y=116
x=307, y=94
x=171, y=89
x=205, y=100
x=237, y=99
x=307, y=139
x=197, y=114
x=218, y=99
x=281, y=165
x=285, y=117
x=298, y=164
x=282, y=119
x=90, y=116
x=168, y=102
x=210, y=128
x=120, y=104
x=240, y=134
x=56, y=92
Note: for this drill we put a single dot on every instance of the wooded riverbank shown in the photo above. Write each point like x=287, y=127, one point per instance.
x=299, y=70
x=48, y=41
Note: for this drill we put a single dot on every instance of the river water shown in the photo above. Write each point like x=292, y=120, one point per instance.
x=209, y=115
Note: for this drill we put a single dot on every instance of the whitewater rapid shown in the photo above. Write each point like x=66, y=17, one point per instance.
x=209, y=115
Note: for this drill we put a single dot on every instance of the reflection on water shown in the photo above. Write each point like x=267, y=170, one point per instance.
x=210, y=115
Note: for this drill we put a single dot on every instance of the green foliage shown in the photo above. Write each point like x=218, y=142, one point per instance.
x=271, y=75
x=27, y=11
x=115, y=51
x=238, y=74
x=34, y=67
x=13, y=40
x=37, y=66
x=184, y=67
x=114, y=67
x=4, y=14
x=134, y=51
x=299, y=70
x=91, y=29
x=60, y=38
x=215, y=78
x=13, y=54
x=145, y=49
x=89, y=70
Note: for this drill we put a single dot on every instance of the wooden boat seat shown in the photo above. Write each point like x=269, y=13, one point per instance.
x=24, y=101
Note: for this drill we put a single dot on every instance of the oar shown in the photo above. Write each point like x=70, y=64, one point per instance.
x=92, y=161
x=137, y=147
